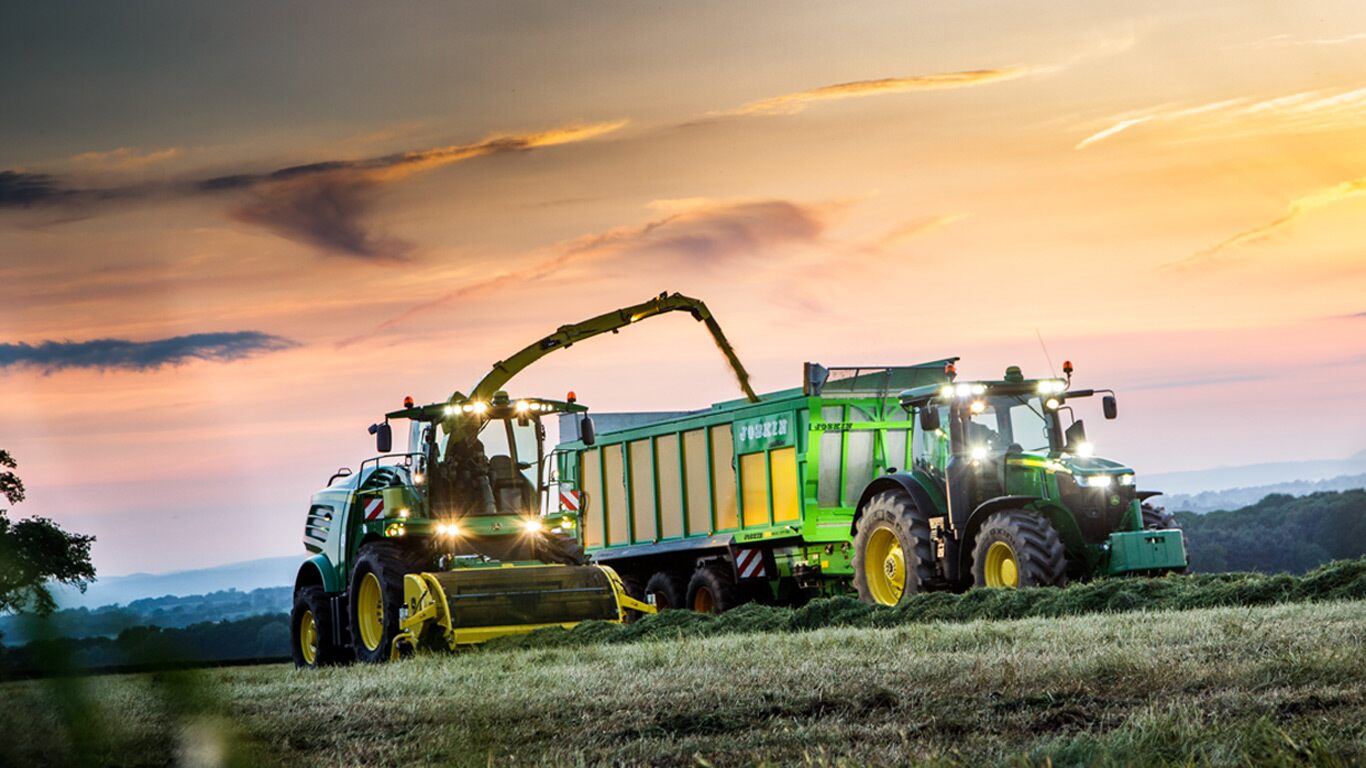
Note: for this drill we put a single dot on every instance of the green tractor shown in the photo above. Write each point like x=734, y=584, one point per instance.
x=1003, y=493
x=447, y=544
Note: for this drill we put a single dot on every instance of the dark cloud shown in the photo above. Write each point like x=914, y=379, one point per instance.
x=122, y=354
x=324, y=204
x=711, y=232
x=27, y=190
x=328, y=213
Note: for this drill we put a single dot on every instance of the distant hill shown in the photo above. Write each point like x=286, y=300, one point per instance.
x=1278, y=533
x=165, y=612
x=243, y=577
x=1233, y=498
x=1251, y=475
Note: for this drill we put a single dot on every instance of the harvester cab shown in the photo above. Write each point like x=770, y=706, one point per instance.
x=1013, y=493
x=447, y=544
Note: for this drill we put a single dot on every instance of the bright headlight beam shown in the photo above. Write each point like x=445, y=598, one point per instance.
x=532, y=525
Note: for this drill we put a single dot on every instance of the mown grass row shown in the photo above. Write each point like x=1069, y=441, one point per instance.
x=1340, y=580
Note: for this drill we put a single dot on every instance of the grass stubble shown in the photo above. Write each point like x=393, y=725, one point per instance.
x=1279, y=684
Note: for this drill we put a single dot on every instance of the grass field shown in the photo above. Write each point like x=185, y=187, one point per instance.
x=1277, y=685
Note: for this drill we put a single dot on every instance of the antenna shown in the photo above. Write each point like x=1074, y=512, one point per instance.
x=1046, y=356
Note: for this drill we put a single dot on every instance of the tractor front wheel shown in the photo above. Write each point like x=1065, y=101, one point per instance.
x=310, y=629
x=892, y=549
x=377, y=595
x=1015, y=548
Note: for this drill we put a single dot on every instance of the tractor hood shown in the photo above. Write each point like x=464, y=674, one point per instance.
x=1083, y=468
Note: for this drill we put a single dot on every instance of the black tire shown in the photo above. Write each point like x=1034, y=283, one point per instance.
x=894, y=511
x=389, y=562
x=559, y=549
x=1034, y=546
x=1158, y=518
x=670, y=589
x=312, y=603
x=712, y=590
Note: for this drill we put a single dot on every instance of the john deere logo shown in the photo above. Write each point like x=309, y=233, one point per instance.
x=1114, y=501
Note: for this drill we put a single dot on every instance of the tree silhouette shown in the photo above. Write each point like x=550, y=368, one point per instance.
x=35, y=552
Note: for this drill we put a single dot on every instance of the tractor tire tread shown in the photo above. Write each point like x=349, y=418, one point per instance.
x=899, y=510
x=390, y=562
x=1042, y=559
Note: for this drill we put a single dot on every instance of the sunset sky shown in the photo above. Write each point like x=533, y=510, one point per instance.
x=233, y=234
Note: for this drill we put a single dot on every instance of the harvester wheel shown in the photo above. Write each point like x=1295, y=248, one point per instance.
x=559, y=549
x=712, y=590
x=670, y=589
x=377, y=595
x=310, y=636
x=892, y=549
x=1015, y=548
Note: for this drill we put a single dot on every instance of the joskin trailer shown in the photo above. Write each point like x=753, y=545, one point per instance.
x=885, y=481
x=446, y=544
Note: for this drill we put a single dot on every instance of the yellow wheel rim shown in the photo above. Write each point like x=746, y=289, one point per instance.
x=308, y=638
x=370, y=612
x=884, y=567
x=702, y=602
x=1001, y=570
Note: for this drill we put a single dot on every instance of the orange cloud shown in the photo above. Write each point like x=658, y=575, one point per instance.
x=1297, y=208
x=790, y=103
x=918, y=228
x=122, y=160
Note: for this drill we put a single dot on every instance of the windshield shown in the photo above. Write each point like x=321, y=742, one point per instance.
x=503, y=441
x=1006, y=422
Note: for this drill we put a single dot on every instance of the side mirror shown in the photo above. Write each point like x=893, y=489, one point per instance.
x=587, y=432
x=929, y=418
x=1111, y=408
x=384, y=437
x=1074, y=436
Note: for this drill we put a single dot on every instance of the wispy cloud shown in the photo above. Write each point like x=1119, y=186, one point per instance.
x=918, y=228
x=122, y=160
x=324, y=204
x=790, y=103
x=123, y=354
x=1297, y=208
x=1318, y=110
x=1287, y=40
x=693, y=234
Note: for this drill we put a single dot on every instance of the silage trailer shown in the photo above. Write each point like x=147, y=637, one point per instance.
x=884, y=481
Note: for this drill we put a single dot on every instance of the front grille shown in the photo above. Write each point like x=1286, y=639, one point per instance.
x=1098, y=511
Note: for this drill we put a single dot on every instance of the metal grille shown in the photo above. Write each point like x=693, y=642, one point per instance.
x=552, y=594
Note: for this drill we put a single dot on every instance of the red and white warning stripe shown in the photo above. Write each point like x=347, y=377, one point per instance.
x=374, y=508
x=569, y=499
x=749, y=563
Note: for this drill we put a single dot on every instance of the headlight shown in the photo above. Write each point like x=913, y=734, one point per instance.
x=1126, y=479
x=1094, y=481
x=480, y=407
x=1085, y=450
x=523, y=406
x=978, y=452
x=532, y=526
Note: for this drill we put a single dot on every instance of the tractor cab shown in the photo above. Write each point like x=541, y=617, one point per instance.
x=1015, y=444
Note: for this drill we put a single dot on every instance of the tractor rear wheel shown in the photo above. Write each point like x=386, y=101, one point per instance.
x=1015, y=548
x=310, y=630
x=377, y=594
x=712, y=590
x=670, y=589
x=892, y=549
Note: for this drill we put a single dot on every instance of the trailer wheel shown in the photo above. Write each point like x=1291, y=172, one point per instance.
x=1015, y=548
x=711, y=590
x=892, y=549
x=377, y=594
x=311, y=642
x=670, y=589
